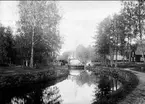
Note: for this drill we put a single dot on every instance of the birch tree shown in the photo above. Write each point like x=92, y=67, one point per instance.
x=38, y=21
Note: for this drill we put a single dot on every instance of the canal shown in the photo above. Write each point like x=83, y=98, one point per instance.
x=80, y=87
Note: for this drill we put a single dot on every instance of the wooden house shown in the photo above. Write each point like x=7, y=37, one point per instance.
x=137, y=54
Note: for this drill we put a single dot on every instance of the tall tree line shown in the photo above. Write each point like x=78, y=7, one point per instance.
x=37, y=39
x=115, y=34
x=7, y=53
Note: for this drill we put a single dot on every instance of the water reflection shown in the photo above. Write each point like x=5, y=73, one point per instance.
x=106, y=86
x=51, y=95
x=16, y=100
x=80, y=87
x=43, y=93
x=84, y=77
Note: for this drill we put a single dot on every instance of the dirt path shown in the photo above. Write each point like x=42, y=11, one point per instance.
x=138, y=94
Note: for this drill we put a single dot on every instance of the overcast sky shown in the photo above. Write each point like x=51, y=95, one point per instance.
x=79, y=19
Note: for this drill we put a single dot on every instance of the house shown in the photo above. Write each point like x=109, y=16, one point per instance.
x=137, y=55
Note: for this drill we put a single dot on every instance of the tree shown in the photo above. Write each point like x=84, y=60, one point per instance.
x=82, y=54
x=91, y=52
x=135, y=17
x=38, y=24
x=105, y=40
x=116, y=34
x=128, y=13
x=119, y=35
x=3, y=52
x=65, y=56
x=140, y=16
x=6, y=45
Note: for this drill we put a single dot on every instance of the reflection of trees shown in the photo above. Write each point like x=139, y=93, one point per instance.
x=104, y=89
x=16, y=100
x=51, y=96
x=31, y=94
x=104, y=86
x=85, y=77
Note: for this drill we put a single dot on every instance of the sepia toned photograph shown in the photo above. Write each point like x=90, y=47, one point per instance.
x=72, y=52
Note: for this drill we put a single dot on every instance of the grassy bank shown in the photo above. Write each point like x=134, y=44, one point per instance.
x=137, y=66
x=18, y=76
x=133, y=66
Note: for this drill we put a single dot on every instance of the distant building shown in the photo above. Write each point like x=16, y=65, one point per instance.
x=137, y=55
x=119, y=57
x=75, y=62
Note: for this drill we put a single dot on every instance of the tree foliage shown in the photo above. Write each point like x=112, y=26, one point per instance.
x=115, y=34
x=65, y=55
x=84, y=54
x=37, y=39
x=38, y=30
x=6, y=45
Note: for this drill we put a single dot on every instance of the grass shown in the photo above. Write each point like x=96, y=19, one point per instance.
x=133, y=66
x=15, y=69
x=20, y=69
x=137, y=66
x=17, y=76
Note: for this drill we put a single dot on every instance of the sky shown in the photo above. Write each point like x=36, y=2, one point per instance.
x=78, y=23
x=80, y=19
x=9, y=13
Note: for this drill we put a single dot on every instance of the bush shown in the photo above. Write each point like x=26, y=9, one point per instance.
x=4, y=65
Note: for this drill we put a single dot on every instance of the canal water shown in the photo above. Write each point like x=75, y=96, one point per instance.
x=80, y=87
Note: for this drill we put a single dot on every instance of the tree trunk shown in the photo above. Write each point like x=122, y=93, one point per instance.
x=32, y=49
x=129, y=50
x=116, y=84
x=32, y=38
x=116, y=49
x=104, y=61
x=26, y=62
x=142, y=51
x=111, y=56
x=123, y=57
x=116, y=58
x=129, y=55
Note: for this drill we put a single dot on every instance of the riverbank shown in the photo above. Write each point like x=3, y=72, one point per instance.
x=136, y=66
x=128, y=79
x=137, y=96
x=18, y=76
